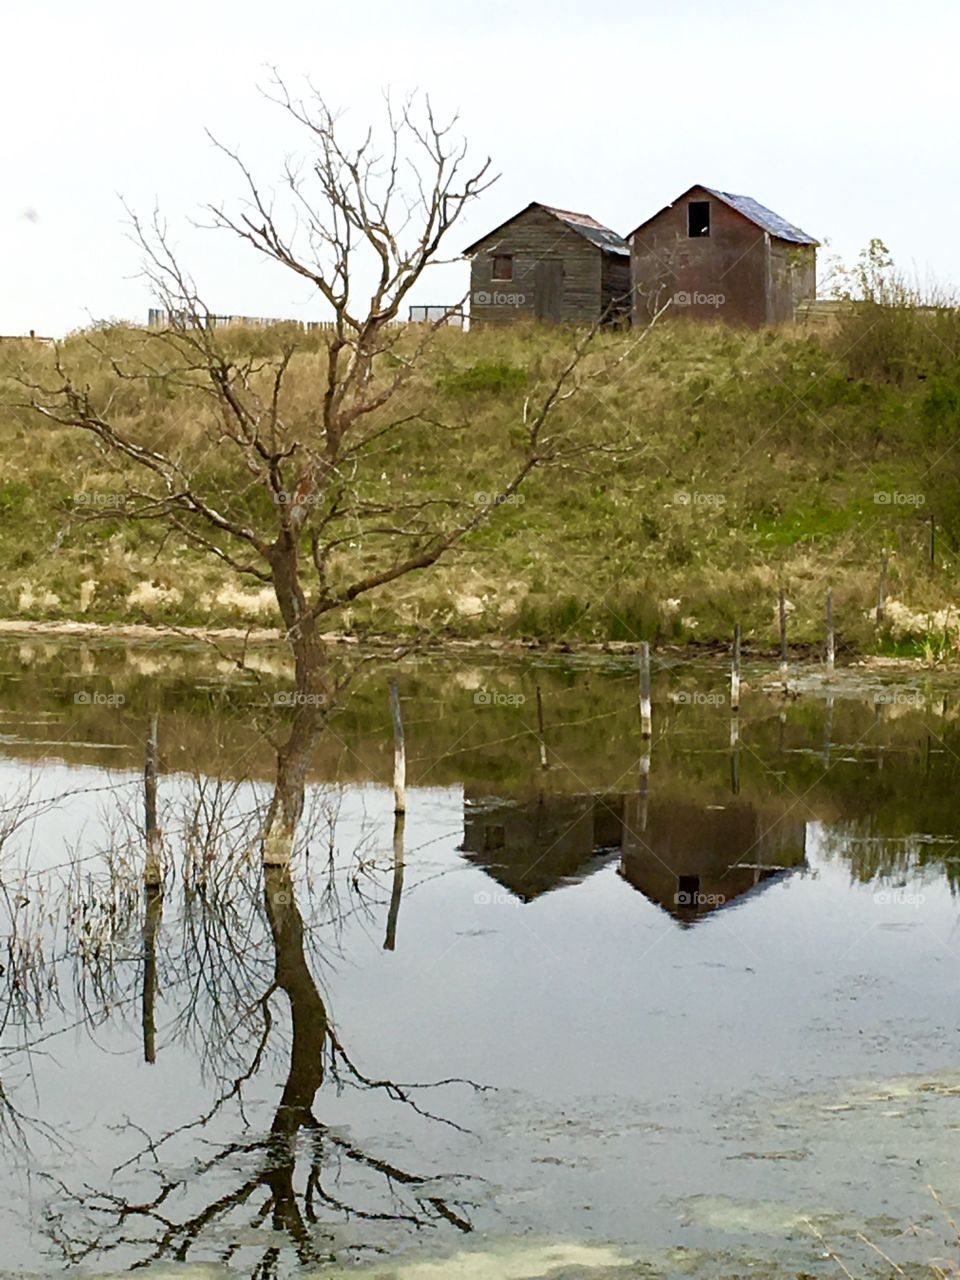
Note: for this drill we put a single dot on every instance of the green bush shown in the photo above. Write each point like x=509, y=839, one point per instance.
x=484, y=376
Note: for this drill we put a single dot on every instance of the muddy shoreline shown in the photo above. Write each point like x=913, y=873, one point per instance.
x=431, y=643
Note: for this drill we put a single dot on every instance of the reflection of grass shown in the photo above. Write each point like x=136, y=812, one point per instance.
x=592, y=730
x=778, y=446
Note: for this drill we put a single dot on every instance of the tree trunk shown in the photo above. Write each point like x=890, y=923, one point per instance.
x=312, y=702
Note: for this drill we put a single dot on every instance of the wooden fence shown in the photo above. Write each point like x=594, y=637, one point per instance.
x=819, y=312
x=157, y=318
x=32, y=336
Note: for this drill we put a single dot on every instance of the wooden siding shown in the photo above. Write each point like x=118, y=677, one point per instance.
x=536, y=237
x=724, y=276
x=615, y=287
x=793, y=279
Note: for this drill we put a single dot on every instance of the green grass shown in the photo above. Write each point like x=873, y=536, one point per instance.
x=780, y=441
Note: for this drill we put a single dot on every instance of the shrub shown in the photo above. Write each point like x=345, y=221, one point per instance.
x=484, y=376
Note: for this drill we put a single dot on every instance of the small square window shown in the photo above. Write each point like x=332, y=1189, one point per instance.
x=502, y=267
x=698, y=218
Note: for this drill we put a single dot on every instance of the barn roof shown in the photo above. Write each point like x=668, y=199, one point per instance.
x=757, y=213
x=582, y=223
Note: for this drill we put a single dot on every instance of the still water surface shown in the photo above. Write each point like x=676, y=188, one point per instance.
x=689, y=1008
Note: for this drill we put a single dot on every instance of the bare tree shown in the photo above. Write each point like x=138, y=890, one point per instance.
x=278, y=485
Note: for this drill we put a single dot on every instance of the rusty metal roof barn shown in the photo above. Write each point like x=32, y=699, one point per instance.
x=549, y=264
x=764, y=218
x=594, y=231
x=758, y=214
x=582, y=223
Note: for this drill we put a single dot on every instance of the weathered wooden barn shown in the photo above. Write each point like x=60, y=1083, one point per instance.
x=549, y=264
x=720, y=256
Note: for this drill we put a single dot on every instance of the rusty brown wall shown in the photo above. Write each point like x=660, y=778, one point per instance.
x=535, y=237
x=722, y=276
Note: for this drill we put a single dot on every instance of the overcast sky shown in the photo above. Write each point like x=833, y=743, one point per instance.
x=841, y=115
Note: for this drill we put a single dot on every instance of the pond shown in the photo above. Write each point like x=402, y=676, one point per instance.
x=597, y=1007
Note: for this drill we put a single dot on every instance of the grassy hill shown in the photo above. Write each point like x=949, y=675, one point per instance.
x=774, y=457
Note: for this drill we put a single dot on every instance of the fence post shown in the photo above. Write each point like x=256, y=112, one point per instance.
x=933, y=542
x=735, y=671
x=399, y=753
x=735, y=754
x=783, y=633
x=646, y=721
x=152, y=874
x=884, y=555
x=541, y=731
x=831, y=647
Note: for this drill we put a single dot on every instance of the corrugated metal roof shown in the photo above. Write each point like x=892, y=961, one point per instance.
x=594, y=231
x=582, y=223
x=763, y=217
x=758, y=214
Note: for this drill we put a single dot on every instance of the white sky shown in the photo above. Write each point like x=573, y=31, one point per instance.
x=842, y=115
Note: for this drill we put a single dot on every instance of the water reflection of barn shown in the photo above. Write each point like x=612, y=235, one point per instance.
x=690, y=859
x=532, y=846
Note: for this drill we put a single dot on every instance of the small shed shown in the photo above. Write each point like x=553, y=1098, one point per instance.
x=719, y=256
x=549, y=264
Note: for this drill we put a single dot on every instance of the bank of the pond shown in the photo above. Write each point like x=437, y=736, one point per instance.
x=400, y=645
x=753, y=461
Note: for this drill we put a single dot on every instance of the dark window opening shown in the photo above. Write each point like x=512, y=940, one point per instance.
x=502, y=267
x=688, y=891
x=698, y=218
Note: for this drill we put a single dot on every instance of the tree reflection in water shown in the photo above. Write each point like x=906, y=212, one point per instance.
x=244, y=990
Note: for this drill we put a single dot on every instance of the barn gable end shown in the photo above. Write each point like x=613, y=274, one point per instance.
x=547, y=264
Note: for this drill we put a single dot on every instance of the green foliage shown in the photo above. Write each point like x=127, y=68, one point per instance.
x=810, y=521
x=486, y=376
x=13, y=497
x=892, y=329
x=940, y=409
